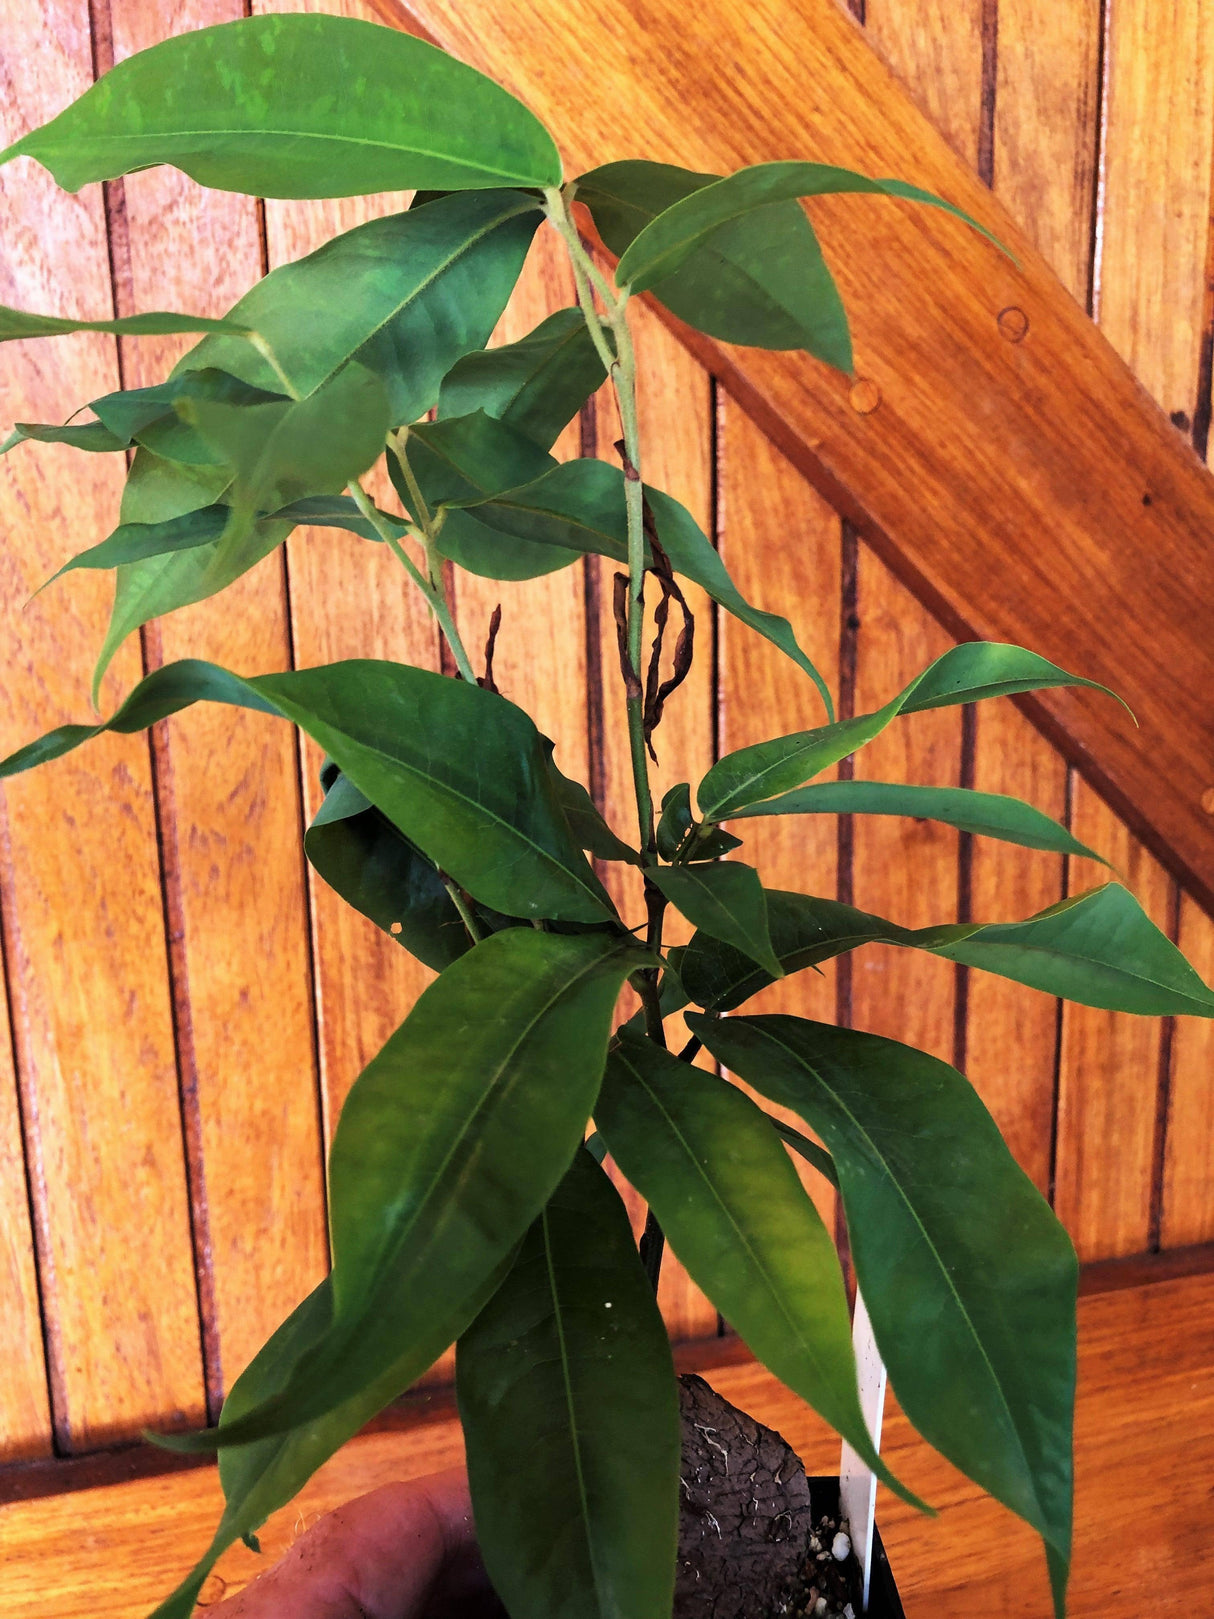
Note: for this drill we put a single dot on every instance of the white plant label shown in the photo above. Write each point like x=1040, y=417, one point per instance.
x=857, y=1481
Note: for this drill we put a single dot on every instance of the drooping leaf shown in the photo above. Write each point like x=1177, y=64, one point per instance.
x=724, y=899
x=990, y=815
x=18, y=323
x=1098, y=948
x=451, y=1142
x=692, y=554
x=377, y=870
x=536, y=385
x=693, y=223
x=287, y=450
x=405, y=296
x=461, y=771
x=964, y=674
x=337, y=511
x=969, y=1279
x=260, y=1477
x=297, y=106
x=568, y=1405
x=92, y=436
x=733, y=1209
x=467, y=458
x=760, y=281
x=135, y=542
x=160, y=491
x=588, y=826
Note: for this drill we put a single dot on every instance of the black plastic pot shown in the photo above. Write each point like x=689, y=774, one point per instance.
x=883, y=1599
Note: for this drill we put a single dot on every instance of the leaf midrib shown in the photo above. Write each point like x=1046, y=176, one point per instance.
x=892, y=1180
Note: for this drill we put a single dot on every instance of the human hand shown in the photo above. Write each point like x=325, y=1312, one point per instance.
x=406, y=1551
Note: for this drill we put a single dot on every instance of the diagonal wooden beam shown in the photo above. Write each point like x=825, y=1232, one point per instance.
x=1013, y=472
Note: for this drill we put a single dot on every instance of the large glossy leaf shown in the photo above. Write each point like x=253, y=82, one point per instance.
x=461, y=771
x=567, y=1399
x=264, y=1475
x=969, y=1279
x=990, y=815
x=287, y=450
x=298, y=106
x=733, y=1208
x=405, y=295
x=761, y=281
x=377, y=870
x=536, y=385
x=1098, y=948
x=964, y=674
x=451, y=1142
x=724, y=899
x=18, y=323
x=690, y=225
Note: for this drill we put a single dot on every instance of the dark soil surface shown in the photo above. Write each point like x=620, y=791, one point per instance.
x=752, y=1544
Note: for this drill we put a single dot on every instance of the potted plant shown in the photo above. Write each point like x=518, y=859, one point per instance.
x=464, y=1206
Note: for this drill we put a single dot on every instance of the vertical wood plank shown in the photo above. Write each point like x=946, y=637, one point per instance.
x=1150, y=297
x=909, y=870
x=233, y=866
x=1109, y=1071
x=1044, y=143
x=1187, y=1213
x=781, y=543
x=82, y=905
x=25, y=1412
x=348, y=599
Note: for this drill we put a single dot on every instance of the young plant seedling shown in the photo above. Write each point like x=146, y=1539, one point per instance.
x=463, y=1206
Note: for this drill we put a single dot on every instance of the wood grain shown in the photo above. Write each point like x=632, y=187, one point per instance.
x=25, y=1413
x=980, y=445
x=1144, y=1425
x=83, y=921
x=230, y=834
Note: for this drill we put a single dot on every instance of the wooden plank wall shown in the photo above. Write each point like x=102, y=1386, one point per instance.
x=188, y=1007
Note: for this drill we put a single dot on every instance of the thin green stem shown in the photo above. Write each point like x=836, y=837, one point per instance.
x=456, y=896
x=428, y=526
x=621, y=368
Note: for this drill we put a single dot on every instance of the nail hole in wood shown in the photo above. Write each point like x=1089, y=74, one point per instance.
x=865, y=396
x=1013, y=323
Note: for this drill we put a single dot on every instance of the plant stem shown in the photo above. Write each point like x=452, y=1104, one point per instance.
x=456, y=896
x=433, y=587
x=621, y=368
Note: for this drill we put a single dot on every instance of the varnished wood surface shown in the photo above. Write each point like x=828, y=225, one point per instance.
x=1144, y=1541
x=1010, y=498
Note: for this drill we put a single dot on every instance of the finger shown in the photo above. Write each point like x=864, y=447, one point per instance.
x=378, y=1557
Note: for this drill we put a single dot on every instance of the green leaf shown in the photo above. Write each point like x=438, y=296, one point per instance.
x=466, y=459
x=760, y=280
x=588, y=826
x=693, y=555
x=676, y=820
x=284, y=451
x=725, y=900
x=691, y=224
x=733, y=1209
x=260, y=1477
x=297, y=106
x=451, y=1142
x=377, y=870
x=160, y=491
x=990, y=815
x=337, y=511
x=964, y=674
x=536, y=385
x=969, y=1279
x=135, y=542
x=92, y=436
x=1098, y=948
x=405, y=296
x=18, y=323
x=567, y=1399
x=461, y=771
